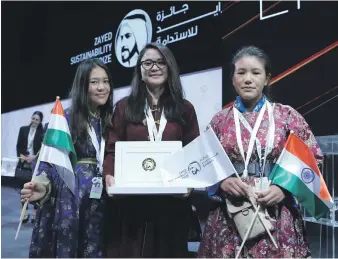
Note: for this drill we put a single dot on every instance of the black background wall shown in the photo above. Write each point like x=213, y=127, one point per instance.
x=303, y=47
x=39, y=39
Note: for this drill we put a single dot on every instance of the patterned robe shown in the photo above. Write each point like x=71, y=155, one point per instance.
x=220, y=237
x=69, y=226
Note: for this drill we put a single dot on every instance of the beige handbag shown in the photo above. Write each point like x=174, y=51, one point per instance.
x=242, y=216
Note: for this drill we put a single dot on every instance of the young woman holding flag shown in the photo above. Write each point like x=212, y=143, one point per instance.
x=253, y=133
x=69, y=223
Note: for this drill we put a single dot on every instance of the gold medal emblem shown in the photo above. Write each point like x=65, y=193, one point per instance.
x=148, y=164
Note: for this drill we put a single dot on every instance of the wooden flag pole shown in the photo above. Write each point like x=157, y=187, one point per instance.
x=26, y=203
x=250, y=228
x=259, y=216
x=253, y=220
x=248, y=232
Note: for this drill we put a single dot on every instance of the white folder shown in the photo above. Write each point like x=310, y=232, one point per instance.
x=137, y=167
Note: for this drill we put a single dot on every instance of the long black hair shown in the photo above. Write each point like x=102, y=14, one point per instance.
x=79, y=110
x=40, y=114
x=254, y=51
x=172, y=98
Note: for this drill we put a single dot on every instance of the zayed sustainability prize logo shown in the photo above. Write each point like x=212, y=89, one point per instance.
x=133, y=33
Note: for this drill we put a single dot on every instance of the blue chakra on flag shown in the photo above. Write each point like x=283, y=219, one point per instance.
x=307, y=175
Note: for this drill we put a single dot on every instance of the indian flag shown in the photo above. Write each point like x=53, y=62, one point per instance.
x=58, y=148
x=296, y=171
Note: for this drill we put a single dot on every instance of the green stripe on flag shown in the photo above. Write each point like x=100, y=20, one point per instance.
x=61, y=140
x=297, y=187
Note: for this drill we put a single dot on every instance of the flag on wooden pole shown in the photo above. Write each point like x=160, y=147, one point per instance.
x=296, y=170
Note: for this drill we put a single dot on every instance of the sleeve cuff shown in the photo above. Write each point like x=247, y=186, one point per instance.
x=213, y=190
x=45, y=198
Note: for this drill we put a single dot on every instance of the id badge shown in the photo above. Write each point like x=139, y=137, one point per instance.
x=261, y=184
x=97, y=187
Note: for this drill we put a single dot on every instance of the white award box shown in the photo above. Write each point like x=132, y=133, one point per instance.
x=138, y=167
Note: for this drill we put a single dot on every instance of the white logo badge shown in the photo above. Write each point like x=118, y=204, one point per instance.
x=148, y=164
x=133, y=33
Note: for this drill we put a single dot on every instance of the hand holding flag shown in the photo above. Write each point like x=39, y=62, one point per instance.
x=56, y=148
x=296, y=170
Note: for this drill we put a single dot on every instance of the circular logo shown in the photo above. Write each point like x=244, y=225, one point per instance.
x=133, y=33
x=194, y=167
x=307, y=175
x=148, y=164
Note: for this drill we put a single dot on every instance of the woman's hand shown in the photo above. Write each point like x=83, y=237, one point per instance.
x=33, y=191
x=110, y=181
x=270, y=197
x=30, y=158
x=235, y=187
x=22, y=157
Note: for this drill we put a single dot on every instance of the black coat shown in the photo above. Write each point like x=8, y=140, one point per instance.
x=21, y=146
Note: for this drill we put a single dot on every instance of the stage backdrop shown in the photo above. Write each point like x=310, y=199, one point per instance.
x=203, y=89
x=303, y=48
x=45, y=41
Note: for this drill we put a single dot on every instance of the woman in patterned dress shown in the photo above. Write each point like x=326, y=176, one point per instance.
x=70, y=224
x=250, y=77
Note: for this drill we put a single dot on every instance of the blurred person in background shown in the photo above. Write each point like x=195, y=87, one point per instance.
x=27, y=147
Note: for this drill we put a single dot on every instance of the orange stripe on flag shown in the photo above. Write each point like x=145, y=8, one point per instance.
x=58, y=109
x=324, y=193
x=298, y=148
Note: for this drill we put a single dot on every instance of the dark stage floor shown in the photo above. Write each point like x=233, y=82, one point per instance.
x=11, y=208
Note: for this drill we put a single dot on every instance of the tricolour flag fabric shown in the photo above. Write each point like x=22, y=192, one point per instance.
x=58, y=146
x=296, y=170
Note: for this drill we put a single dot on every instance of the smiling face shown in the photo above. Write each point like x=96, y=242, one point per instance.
x=35, y=120
x=249, y=78
x=154, y=75
x=99, y=87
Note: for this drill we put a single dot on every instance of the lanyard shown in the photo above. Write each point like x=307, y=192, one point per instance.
x=271, y=135
x=269, y=140
x=248, y=127
x=98, y=148
x=154, y=134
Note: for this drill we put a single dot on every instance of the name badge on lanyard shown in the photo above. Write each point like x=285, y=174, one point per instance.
x=97, y=183
x=262, y=183
x=269, y=140
x=154, y=134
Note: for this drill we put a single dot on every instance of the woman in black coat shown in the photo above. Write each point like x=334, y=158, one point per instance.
x=28, y=145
